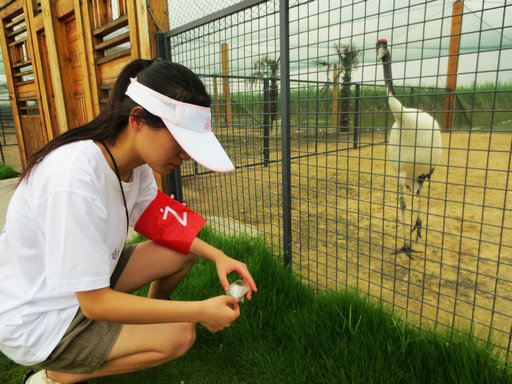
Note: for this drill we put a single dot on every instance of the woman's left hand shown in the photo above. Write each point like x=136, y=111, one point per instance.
x=225, y=265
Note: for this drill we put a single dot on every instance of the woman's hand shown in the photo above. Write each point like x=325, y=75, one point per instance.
x=225, y=265
x=219, y=312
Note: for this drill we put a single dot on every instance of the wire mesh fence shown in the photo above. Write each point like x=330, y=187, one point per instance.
x=7, y=131
x=319, y=167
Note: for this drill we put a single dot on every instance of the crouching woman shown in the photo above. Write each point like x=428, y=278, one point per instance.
x=66, y=278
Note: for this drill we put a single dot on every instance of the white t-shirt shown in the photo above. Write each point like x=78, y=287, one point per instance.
x=65, y=229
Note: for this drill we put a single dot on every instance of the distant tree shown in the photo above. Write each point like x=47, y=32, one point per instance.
x=267, y=67
x=348, y=61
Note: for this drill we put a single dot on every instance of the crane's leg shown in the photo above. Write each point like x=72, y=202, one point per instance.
x=406, y=247
x=418, y=224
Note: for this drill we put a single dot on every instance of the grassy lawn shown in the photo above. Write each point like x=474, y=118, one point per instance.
x=6, y=172
x=290, y=334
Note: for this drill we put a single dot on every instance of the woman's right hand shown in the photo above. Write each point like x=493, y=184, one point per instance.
x=219, y=312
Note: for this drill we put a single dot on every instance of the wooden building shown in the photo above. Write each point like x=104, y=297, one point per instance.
x=61, y=58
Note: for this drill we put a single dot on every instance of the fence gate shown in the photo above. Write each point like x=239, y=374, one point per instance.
x=300, y=103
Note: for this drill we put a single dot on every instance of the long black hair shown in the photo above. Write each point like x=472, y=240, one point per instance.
x=168, y=78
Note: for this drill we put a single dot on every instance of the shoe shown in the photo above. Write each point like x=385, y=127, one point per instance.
x=27, y=376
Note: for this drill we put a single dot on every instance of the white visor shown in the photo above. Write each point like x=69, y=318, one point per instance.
x=189, y=124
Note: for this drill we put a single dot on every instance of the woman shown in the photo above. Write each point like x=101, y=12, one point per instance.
x=66, y=275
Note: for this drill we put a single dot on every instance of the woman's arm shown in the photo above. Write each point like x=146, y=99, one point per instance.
x=225, y=265
x=108, y=305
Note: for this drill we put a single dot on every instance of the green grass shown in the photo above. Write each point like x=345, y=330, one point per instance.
x=290, y=334
x=6, y=172
x=473, y=109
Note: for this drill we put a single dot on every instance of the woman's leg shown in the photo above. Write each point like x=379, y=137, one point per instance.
x=148, y=345
x=151, y=262
x=139, y=347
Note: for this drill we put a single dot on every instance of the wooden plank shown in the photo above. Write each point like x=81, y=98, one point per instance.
x=86, y=81
x=65, y=28
x=24, y=73
x=46, y=87
x=111, y=27
x=15, y=22
x=110, y=72
x=453, y=63
x=226, y=93
x=122, y=7
x=134, y=30
x=335, y=87
x=89, y=56
x=81, y=108
x=123, y=38
x=17, y=42
x=114, y=56
x=12, y=93
x=53, y=57
x=63, y=8
x=26, y=90
x=32, y=132
x=37, y=23
x=143, y=26
x=24, y=82
x=110, y=16
x=11, y=10
x=102, y=12
x=22, y=64
x=17, y=32
x=216, y=99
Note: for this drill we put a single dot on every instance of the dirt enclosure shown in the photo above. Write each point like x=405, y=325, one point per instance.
x=345, y=228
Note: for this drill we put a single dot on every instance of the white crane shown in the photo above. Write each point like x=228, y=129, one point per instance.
x=414, y=146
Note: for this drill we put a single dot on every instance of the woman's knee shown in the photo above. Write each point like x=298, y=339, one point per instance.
x=179, y=341
x=193, y=258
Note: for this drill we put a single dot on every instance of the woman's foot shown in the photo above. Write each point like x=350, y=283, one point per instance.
x=39, y=378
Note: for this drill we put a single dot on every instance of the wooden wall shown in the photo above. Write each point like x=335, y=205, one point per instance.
x=62, y=57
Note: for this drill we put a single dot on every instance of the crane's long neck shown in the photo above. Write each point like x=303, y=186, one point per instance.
x=388, y=77
x=394, y=104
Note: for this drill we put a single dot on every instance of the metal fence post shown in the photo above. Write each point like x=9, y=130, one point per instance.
x=356, y=116
x=284, y=31
x=266, y=122
x=174, y=177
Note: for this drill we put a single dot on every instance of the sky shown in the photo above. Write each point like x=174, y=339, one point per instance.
x=417, y=30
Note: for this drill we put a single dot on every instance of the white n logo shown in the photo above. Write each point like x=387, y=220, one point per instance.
x=170, y=210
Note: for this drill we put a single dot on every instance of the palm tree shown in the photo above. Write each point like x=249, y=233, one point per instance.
x=267, y=67
x=348, y=61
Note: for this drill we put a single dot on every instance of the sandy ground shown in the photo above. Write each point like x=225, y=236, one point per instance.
x=345, y=227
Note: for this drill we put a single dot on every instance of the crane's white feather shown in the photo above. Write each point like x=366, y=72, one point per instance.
x=415, y=145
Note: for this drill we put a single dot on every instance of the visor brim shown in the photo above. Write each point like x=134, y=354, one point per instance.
x=203, y=147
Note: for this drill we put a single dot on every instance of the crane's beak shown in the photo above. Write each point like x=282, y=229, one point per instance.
x=380, y=53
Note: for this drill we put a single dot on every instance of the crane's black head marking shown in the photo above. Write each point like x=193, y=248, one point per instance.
x=382, y=43
x=383, y=51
